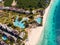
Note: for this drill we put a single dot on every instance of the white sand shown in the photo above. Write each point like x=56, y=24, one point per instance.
x=35, y=33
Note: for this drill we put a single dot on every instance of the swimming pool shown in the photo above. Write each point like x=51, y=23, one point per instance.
x=38, y=20
x=19, y=23
x=4, y=37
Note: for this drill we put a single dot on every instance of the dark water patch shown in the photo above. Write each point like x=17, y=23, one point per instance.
x=57, y=17
x=56, y=20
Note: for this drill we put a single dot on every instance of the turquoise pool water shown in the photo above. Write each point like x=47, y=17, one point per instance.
x=19, y=23
x=38, y=20
x=49, y=36
x=4, y=37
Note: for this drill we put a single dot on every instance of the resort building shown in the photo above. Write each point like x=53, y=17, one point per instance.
x=22, y=34
x=6, y=31
x=5, y=8
x=1, y=0
x=27, y=12
x=25, y=19
x=34, y=11
x=3, y=43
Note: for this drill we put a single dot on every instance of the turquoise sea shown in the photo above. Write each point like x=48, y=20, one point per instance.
x=51, y=34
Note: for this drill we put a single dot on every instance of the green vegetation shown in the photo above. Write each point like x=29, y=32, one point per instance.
x=8, y=2
x=32, y=4
x=8, y=17
x=28, y=4
x=0, y=36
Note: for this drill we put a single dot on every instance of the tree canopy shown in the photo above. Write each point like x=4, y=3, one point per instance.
x=32, y=3
x=8, y=2
x=28, y=3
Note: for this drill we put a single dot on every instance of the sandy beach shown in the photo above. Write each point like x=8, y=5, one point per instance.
x=35, y=34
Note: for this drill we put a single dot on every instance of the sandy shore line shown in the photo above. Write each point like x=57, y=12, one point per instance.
x=35, y=33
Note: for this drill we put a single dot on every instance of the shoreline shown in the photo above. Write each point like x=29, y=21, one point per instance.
x=35, y=34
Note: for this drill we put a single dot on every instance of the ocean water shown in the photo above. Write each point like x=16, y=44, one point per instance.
x=57, y=23
x=51, y=34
